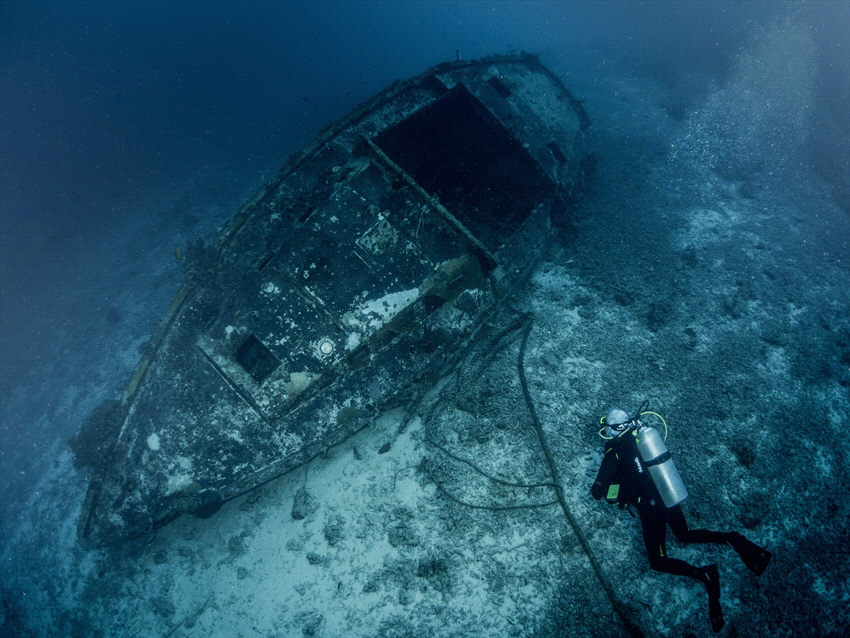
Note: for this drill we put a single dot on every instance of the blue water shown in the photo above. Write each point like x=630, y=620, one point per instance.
x=129, y=129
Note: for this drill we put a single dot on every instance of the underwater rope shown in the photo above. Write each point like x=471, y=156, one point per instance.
x=483, y=507
x=483, y=473
x=619, y=607
x=196, y=612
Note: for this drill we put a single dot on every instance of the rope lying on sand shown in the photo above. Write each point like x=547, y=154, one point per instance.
x=492, y=478
x=483, y=473
x=556, y=483
x=618, y=606
x=483, y=507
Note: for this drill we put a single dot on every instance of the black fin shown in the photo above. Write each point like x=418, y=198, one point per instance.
x=755, y=558
x=715, y=614
x=710, y=576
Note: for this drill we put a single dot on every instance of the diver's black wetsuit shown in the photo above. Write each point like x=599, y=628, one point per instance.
x=654, y=518
x=624, y=479
x=622, y=466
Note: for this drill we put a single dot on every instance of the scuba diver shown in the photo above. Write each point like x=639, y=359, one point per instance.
x=637, y=470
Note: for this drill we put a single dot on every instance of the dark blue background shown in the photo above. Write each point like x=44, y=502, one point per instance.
x=105, y=104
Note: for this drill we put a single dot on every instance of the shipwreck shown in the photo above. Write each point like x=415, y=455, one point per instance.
x=340, y=290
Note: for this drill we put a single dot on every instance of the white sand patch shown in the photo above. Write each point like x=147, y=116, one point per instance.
x=370, y=315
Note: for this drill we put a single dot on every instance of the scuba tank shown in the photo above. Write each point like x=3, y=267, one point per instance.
x=662, y=470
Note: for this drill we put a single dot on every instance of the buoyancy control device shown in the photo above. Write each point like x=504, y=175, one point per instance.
x=656, y=458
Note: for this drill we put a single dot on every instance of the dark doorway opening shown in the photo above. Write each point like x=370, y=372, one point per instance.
x=257, y=359
x=457, y=150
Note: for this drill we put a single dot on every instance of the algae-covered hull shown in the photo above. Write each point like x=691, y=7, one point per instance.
x=340, y=290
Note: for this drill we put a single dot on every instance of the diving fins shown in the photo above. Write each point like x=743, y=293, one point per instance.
x=710, y=577
x=755, y=558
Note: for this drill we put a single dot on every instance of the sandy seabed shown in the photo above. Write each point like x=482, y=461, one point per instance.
x=724, y=300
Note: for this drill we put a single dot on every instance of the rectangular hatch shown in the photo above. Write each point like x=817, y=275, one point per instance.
x=457, y=150
x=256, y=359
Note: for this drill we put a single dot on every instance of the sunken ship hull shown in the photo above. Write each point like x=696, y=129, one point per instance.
x=340, y=290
